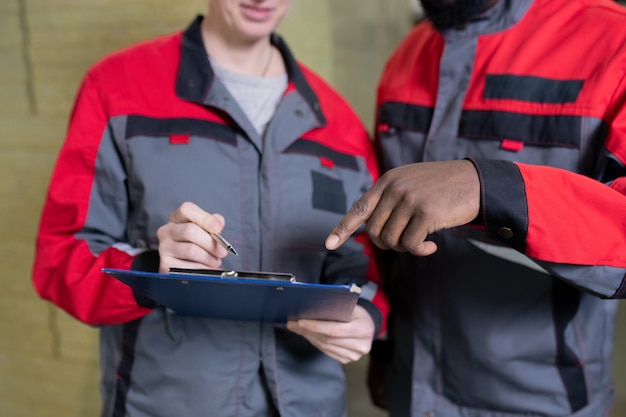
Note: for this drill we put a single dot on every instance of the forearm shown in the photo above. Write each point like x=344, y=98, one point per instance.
x=571, y=225
x=83, y=224
x=67, y=274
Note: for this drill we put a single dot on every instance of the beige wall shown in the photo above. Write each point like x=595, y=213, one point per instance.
x=48, y=361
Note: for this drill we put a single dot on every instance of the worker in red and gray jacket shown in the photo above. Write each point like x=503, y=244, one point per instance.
x=502, y=134
x=167, y=133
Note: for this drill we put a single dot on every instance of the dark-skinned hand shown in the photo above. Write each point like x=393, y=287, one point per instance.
x=410, y=202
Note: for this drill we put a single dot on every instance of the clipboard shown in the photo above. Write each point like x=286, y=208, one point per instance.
x=242, y=295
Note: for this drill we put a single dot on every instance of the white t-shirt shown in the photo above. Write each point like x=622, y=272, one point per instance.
x=257, y=96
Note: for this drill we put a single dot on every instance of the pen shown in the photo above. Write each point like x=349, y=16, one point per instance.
x=223, y=242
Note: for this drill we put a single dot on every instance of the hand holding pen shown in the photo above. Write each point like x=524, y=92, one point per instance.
x=192, y=239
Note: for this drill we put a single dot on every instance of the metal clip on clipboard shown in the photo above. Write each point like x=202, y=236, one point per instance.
x=274, y=276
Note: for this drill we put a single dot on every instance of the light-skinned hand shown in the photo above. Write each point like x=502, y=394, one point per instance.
x=344, y=342
x=185, y=240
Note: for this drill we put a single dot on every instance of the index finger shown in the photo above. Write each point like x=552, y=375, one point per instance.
x=358, y=214
x=190, y=212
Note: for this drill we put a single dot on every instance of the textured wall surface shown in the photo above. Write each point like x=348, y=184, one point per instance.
x=48, y=361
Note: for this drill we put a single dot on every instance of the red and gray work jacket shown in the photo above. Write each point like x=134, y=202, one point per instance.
x=152, y=128
x=514, y=317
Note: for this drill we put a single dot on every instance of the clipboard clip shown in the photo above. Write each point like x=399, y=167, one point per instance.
x=232, y=274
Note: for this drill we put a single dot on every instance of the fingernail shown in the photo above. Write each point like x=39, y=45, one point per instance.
x=332, y=241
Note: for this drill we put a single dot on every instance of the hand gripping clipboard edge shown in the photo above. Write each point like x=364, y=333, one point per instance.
x=212, y=294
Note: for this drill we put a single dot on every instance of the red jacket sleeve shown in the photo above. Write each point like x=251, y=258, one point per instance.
x=571, y=225
x=69, y=256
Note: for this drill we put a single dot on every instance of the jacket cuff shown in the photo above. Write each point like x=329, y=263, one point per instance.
x=373, y=311
x=147, y=261
x=503, y=205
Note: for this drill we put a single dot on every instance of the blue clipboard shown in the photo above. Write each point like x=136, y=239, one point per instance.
x=242, y=295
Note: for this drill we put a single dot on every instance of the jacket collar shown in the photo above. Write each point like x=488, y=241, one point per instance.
x=195, y=75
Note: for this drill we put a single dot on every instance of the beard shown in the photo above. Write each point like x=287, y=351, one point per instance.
x=447, y=14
